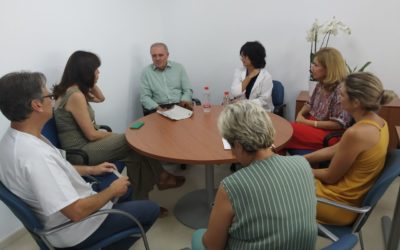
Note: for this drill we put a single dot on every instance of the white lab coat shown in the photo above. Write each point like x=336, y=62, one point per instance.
x=261, y=91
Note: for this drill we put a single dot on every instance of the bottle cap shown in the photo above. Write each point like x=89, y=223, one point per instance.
x=206, y=87
x=226, y=93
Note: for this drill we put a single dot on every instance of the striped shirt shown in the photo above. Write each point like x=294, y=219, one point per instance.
x=274, y=204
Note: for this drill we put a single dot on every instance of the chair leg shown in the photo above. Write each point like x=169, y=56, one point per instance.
x=361, y=240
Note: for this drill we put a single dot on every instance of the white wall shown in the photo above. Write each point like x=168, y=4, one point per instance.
x=205, y=36
x=40, y=36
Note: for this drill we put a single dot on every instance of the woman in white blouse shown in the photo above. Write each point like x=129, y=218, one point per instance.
x=252, y=81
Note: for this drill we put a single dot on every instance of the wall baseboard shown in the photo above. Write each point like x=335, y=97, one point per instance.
x=13, y=237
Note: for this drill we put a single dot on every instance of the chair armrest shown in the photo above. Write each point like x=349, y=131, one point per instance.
x=91, y=179
x=100, y=212
x=363, y=211
x=347, y=241
x=324, y=231
x=196, y=101
x=279, y=109
x=105, y=127
x=79, y=152
x=360, y=210
x=331, y=135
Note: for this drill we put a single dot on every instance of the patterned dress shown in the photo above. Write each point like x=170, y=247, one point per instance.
x=323, y=107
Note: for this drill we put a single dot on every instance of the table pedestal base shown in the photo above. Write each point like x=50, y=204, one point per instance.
x=193, y=209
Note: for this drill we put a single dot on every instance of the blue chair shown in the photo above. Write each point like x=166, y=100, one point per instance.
x=49, y=130
x=390, y=229
x=347, y=242
x=389, y=173
x=100, y=182
x=278, y=94
x=22, y=211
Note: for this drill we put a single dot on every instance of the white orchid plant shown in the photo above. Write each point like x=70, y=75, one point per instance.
x=324, y=31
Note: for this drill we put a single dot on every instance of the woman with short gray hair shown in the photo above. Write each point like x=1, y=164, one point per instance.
x=248, y=125
x=268, y=204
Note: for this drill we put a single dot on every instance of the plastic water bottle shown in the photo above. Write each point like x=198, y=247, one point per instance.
x=206, y=100
x=226, y=100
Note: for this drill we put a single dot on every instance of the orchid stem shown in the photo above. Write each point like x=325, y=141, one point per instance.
x=327, y=40
x=315, y=42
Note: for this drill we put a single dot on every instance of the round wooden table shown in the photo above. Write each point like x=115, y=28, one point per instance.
x=195, y=140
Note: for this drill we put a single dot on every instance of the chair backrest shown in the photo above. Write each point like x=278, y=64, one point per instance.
x=278, y=93
x=23, y=213
x=49, y=130
x=388, y=175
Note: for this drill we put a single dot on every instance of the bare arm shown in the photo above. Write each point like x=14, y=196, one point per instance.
x=220, y=220
x=324, y=154
x=301, y=118
x=102, y=168
x=353, y=143
x=77, y=105
x=329, y=125
x=84, y=207
x=96, y=95
x=304, y=111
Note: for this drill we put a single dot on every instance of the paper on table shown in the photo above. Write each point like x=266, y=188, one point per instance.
x=226, y=144
x=176, y=113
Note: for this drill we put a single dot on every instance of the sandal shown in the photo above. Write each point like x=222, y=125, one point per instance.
x=171, y=181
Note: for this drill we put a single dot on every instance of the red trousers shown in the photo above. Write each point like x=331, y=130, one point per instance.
x=307, y=137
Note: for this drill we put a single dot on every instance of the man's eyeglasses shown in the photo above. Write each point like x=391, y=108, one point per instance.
x=51, y=96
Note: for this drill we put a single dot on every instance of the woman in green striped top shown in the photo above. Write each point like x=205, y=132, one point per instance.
x=268, y=204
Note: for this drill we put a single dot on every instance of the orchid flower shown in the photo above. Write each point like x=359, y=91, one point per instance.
x=325, y=30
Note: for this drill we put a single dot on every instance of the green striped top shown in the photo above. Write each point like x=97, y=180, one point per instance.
x=274, y=204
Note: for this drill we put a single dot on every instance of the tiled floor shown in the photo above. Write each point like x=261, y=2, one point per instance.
x=169, y=234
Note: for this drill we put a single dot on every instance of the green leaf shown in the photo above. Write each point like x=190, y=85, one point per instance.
x=364, y=66
x=348, y=67
x=355, y=68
